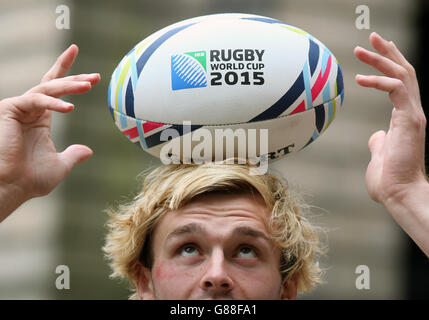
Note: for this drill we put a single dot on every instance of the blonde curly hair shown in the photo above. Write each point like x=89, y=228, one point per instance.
x=173, y=186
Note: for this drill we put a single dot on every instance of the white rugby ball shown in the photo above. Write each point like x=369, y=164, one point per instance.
x=226, y=71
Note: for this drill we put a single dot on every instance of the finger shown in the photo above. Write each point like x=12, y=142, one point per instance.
x=63, y=64
x=389, y=50
x=94, y=78
x=382, y=64
x=376, y=142
x=375, y=167
x=380, y=82
x=74, y=155
x=60, y=87
x=397, y=91
x=27, y=106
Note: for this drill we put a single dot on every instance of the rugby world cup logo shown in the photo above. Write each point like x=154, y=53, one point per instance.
x=188, y=70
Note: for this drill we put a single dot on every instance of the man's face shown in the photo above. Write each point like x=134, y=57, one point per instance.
x=216, y=247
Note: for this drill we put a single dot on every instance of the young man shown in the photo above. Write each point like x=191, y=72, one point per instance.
x=30, y=167
x=213, y=231
x=182, y=237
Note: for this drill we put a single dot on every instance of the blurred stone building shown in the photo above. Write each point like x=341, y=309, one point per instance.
x=29, y=239
x=67, y=227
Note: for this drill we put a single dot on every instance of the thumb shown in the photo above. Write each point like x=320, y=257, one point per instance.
x=74, y=155
x=376, y=142
x=375, y=166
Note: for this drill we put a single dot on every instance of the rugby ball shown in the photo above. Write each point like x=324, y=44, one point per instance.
x=226, y=74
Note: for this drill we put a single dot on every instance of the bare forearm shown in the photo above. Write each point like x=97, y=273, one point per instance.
x=10, y=199
x=410, y=209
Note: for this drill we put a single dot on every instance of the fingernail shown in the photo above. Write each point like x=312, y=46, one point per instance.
x=71, y=46
x=68, y=104
x=378, y=35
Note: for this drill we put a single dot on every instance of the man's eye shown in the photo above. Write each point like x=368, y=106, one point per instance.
x=189, y=251
x=246, y=252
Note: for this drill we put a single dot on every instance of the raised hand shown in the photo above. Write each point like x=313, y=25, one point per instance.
x=396, y=174
x=29, y=163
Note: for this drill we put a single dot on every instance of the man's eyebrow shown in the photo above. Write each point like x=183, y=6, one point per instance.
x=250, y=232
x=187, y=229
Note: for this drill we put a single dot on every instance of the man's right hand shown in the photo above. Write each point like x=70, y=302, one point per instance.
x=396, y=175
x=29, y=163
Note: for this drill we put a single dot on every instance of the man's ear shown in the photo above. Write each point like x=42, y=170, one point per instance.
x=289, y=289
x=144, y=284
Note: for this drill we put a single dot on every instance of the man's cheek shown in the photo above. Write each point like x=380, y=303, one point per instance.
x=163, y=271
x=180, y=274
x=259, y=282
x=166, y=271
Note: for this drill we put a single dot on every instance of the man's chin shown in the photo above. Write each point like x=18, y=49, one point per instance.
x=216, y=298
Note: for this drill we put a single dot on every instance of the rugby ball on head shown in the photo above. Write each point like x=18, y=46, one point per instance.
x=191, y=89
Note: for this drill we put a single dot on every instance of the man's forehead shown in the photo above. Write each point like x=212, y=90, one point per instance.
x=225, y=201
x=221, y=211
x=236, y=231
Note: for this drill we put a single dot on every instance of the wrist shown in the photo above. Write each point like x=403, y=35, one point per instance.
x=11, y=197
x=410, y=209
x=408, y=193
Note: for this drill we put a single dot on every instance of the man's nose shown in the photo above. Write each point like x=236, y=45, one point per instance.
x=216, y=278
